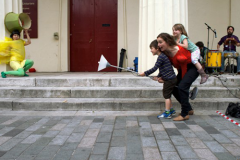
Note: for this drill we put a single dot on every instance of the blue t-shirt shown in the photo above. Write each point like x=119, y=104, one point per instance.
x=165, y=68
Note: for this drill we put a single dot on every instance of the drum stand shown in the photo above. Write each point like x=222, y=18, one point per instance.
x=230, y=58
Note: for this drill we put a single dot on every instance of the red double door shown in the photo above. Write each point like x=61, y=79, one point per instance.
x=93, y=32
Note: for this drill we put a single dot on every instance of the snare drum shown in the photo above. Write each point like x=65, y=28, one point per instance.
x=228, y=55
x=235, y=55
x=214, y=59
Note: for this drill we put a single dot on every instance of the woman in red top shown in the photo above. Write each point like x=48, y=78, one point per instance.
x=187, y=72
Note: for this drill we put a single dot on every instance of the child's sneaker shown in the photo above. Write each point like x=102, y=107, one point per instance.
x=172, y=111
x=165, y=115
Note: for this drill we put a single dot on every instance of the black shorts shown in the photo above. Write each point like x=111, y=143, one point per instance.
x=168, y=87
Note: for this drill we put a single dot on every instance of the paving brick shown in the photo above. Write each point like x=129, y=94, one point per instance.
x=81, y=128
x=10, y=144
x=221, y=138
x=146, y=132
x=100, y=148
x=232, y=148
x=133, y=131
x=4, y=139
x=181, y=126
x=118, y=142
x=143, y=119
x=170, y=156
x=98, y=157
x=104, y=137
x=190, y=122
x=31, y=139
x=134, y=156
x=58, y=140
x=117, y=153
x=173, y=132
x=144, y=125
x=215, y=146
x=81, y=153
x=169, y=125
x=49, y=152
x=236, y=141
x=106, y=128
x=119, y=132
x=66, y=131
x=157, y=127
x=205, y=154
x=119, y=126
x=166, y=146
x=97, y=120
x=224, y=156
x=5, y=130
x=92, y=132
x=51, y=133
x=58, y=127
x=161, y=135
x=196, y=128
x=151, y=154
x=134, y=145
x=131, y=118
x=75, y=137
x=61, y=155
x=178, y=140
x=87, y=142
x=149, y=142
x=95, y=125
x=210, y=130
x=154, y=120
x=186, y=152
x=23, y=134
x=131, y=123
x=86, y=122
x=204, y=136
x=195, y=143
x=229, y=134
x=187, y=133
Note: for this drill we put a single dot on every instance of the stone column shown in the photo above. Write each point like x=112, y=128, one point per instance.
x=5, y=7
x=155, y=17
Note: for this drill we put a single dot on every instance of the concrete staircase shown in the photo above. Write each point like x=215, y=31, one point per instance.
x=106, y=92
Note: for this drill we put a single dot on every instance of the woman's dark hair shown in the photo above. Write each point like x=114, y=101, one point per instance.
x=230, y=27
x=154, y=44
x=168, y=39
x=15, y=32
x=200, y=44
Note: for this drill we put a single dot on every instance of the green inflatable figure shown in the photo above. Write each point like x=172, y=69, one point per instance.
x=12, y=52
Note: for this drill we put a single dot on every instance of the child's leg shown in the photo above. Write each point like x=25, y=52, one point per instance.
x=168, y=104
x=18, y=70
x=195, y=56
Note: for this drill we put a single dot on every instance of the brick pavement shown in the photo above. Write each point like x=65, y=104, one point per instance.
x=77, y=137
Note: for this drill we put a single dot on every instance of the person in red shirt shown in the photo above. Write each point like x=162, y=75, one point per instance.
x=187, y=72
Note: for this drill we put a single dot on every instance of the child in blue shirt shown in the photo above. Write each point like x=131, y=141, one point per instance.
x=166, y=76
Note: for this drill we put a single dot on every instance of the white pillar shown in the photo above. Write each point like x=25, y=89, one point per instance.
x=155, y=17
x=5, y=7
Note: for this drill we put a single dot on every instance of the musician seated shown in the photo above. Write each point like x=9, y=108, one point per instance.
x=230, y=42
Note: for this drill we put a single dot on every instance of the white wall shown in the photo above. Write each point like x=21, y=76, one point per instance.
x=48, y=54
x=128, y=27
x=215, y=13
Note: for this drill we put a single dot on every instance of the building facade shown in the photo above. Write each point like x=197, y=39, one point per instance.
x=89, y=28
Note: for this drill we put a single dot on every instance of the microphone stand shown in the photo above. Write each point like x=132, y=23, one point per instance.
x=208, y=27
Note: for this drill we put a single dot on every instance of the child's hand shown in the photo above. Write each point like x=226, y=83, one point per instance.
x=155, y=78
x=141, y=74
x=160, y=80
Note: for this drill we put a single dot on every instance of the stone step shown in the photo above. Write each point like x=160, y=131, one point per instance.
x=231, y=81
x=108, y=104
x=108, y=92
